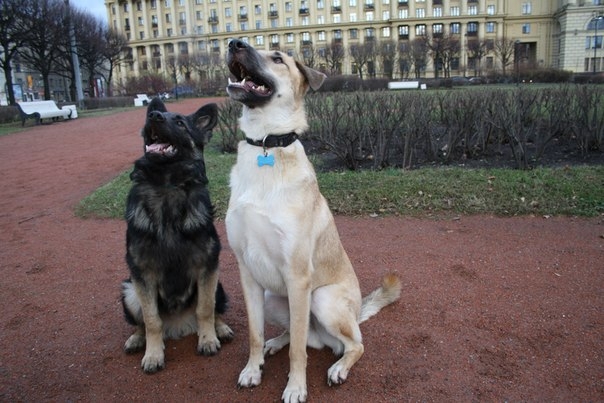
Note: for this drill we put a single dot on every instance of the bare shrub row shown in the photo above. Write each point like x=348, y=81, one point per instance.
x=411, y=128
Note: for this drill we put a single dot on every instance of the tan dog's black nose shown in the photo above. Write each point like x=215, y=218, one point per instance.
x=237, y=44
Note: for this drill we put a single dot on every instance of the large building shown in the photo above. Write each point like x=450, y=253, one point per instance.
x=545, y=33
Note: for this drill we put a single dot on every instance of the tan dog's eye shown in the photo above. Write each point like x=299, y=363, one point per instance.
x=278, y=60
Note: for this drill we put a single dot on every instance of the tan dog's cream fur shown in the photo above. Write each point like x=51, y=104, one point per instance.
x=293, y=267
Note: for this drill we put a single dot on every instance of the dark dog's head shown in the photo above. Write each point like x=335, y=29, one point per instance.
x=259, y=76
x=174, y=137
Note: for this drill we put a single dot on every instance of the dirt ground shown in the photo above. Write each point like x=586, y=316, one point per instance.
x=492, y=309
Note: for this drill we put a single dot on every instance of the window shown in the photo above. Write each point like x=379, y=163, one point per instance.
x=403, y=31
x=321, y=35
x=369, y=33
x=198, y=15
x=289, y=22
x=352, y=3
x=526, y=8
x=139, y=6
x=168, y=18
x=259, y=40
x=386, y=32
x=337, y=18
x=258, y=24
x=320, y=4
x=437, y=29
x=472, y=28
x=257, y=9
x=473, y=10
x=321, y=19
x=274, y=23
x=369, y=16
x=306, y=20
x=140, y=21
x=403, y=13
x=437, y=12
x=227, y=12
x=243, y=26
x=491, y=9
x=526, y=28
x=491, y=27
x=289, y=38
x=229, y=27
x=354, y=34
x=274, y=40
x=288, y=6
x=420, y=13
x=352, y=17
x=455, y=28
x=455, y=11
x=420, y=30
x=153, y=4
x=385, y=15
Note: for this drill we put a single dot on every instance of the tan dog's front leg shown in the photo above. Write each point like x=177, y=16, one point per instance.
x=253, y=294
x=299, y=307
x=153, y=360
x=208, y=343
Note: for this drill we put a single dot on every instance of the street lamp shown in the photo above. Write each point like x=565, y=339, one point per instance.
x=596, y=21
x=516, y=61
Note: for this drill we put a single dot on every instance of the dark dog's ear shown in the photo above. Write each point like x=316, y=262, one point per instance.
x=205, y=119
x=315, y=78
x=156, y=105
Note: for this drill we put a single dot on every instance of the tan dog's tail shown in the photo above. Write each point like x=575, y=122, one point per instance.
x=389, y=292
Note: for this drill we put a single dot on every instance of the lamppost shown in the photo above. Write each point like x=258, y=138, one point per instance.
x=516, y=61
x=596, y=20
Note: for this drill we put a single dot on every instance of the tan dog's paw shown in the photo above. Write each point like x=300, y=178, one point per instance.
x=294, y=393
x=153, y=361
x=208, y=347
x=224, y=332
x=250, y=376
x=337, y=374
x=273, y=346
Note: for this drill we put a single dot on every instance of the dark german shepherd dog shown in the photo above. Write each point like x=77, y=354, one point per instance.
x=172, y=245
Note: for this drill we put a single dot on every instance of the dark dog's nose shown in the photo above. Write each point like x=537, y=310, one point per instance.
x=237, y=44
x=156, y=116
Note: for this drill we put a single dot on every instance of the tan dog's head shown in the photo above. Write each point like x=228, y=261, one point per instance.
x=261, y=76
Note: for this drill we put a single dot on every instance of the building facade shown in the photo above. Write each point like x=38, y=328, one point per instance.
x=546, y=33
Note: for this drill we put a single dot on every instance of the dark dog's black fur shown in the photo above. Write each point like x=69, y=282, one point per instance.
x=172, y=244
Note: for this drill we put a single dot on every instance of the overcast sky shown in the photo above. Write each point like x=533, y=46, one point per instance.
x=95, y=7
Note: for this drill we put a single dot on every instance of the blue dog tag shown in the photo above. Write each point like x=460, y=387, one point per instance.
x=266, y=160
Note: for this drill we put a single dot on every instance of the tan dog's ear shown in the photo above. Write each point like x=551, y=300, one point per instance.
x=315, y=78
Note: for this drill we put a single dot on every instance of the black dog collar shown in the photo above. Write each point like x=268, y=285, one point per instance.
x=274, y=140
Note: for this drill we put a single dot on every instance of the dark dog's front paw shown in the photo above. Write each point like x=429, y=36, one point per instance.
x=152, y=363
x=224, y=332
x=208, y=347
x=135, y=343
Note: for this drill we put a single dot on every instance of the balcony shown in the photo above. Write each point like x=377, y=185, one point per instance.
x=305, y=43
x=403, y=37
x=403, y=3
x=437, y=2
x=182, y=22
x=273, y=14
x=304, y=11
x=242, y=17
x=368, y=7
x=336, y=10
x=213, y=19
x=127, y=27
x=216, y=49
x=274, y=45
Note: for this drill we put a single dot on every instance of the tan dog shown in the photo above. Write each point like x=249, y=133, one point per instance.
x=293, y=267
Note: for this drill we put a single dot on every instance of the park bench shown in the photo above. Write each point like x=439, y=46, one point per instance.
x=40, y=110
x=405, y=85
x=141, y=100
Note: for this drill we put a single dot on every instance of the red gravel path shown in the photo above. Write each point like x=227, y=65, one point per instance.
x=496, y=309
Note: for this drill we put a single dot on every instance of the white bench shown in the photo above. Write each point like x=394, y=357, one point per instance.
x=141, y=100
x=403, y=85
x=40, y=110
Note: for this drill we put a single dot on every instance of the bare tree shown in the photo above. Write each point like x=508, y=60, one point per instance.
x=186, y=65
x=46, y=33
x=334, y=55
x=386, y=51
x=419, y=54
x=115, y=44
x=476, y=50
x=13, y=14
x=362, y=55
x=504, y=50
x=310, y=55
x=90, y=34
x=405, y=59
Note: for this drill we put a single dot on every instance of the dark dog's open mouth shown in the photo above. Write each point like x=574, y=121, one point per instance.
x=157, y=147
x=248, y=82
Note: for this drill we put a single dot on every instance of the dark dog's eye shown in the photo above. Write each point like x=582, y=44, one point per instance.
x=180, y=123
